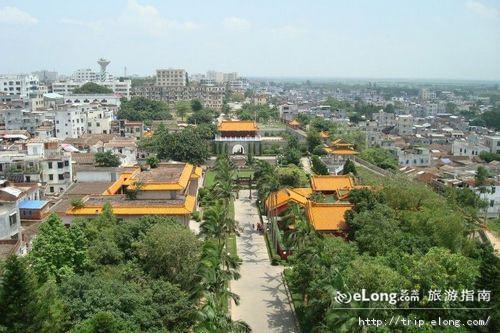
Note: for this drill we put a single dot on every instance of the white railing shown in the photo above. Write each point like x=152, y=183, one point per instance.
x=236, y=138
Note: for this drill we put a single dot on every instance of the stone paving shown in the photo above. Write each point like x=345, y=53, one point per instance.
x=263, y=301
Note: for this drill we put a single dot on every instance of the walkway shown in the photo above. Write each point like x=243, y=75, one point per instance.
x=306, y=165
x=263, y=301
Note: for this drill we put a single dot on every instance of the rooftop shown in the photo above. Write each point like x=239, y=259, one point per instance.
x=327, y=217
x=237, y=126
x=331, y=183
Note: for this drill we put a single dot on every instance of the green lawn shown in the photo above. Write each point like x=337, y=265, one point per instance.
x=494, y=226
x=368, y=177
x=210, y=176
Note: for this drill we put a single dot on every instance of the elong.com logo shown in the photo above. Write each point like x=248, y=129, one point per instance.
x=364, y=296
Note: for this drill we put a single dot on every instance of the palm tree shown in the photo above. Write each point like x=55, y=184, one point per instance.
x=302, y=232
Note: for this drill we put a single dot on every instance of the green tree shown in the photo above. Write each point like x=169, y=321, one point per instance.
x=107, y=159
x=57, y=250
x=313, y=140
x=50, y=315
x=152, y=161
x=381, y=157
x=104, y=322
x=143, y=109
x=488, y=157
x=196, y=105
x=17, y=297
x=318, y=166
x=172, y=251
x=481, y=176
x=92, y=88
x=181, y=109
x=349, y=168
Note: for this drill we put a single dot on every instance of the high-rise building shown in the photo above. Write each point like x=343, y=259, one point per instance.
x=23, y=85
x=171, y=77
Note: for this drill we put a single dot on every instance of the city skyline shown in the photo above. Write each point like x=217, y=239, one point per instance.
x=457, y=40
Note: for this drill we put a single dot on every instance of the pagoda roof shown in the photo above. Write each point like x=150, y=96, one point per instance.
x=237, y=126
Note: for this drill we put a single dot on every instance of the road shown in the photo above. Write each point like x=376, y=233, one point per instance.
x=263, y=301
x=306, y=165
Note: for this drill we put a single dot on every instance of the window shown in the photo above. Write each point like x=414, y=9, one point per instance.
x=49, y=164
x=492, y=203
x=66, y=163
x=51, y=177
x=51, y=189
x=61, y=177
x=60, y=165
x=13, y=220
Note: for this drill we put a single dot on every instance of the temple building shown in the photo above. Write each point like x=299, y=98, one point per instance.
x=237, y=137
x=170, y=190
x=324, y=204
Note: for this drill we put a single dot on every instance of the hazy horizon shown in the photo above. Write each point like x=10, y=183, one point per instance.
x=457, y=40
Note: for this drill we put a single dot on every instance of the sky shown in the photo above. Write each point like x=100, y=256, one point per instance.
x=420, y=39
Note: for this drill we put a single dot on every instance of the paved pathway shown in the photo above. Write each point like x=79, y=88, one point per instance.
x=263, y=301
x=306, y=165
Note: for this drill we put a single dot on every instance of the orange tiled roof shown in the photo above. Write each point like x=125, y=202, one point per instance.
x=283, y=196
x=340, y=151
x=185, y=208
x=237, y=126
x=331, y=183
x=294, y=122
x=324, y=135
x=327, y=217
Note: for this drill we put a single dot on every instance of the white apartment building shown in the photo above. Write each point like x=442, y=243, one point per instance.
x=23, y=85
x=490, y=194
x=70, y=121
x=99, y=120
x=238, y=85
x=10, y=221
x=16, y=119
x=125, y=148
x=467, y=147
x=85, y=75
x=493, y=143
x=171, y=77
x=55, y=165
x=384, y=119
x=413, y=157
x=404, y=124
x=119, y=87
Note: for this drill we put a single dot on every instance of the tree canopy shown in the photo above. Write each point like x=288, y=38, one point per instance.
x=107, y=159
x=92, y=88
x=143, y=109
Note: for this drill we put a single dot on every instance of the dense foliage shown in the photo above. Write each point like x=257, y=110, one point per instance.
x=381, y=157
x=100, y=273
x=106, y=159
x=187, y=145
x=402, y=237
x=318, y=166
x=143, y=109
x=92, y=88
x=489, y=119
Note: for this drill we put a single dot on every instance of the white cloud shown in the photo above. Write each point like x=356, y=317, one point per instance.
x=482, y=10
x=139, y=18
x=14, y=15
x=236, y=23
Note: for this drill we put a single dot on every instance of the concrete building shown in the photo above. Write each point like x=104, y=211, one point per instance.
x=16, y=119
x=384, y=119
x=70, y=122
x=413, y=157
x=288, y=112
x=404, y=125
x=171, y=77
x=492, y=197
x=125, y=148
x=121, y=87
x=99, y=120
x=493, y=143
x=45, y=76
x=237, y=137
x=85, y=75
x=467, y=147
x=169, y=190
x=24, y=85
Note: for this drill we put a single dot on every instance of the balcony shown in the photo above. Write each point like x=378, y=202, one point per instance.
x=219, y=138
